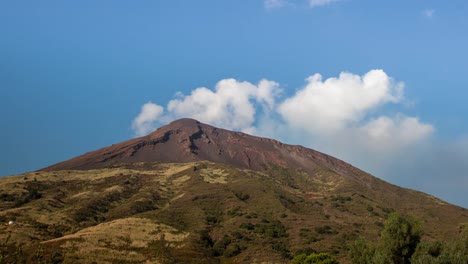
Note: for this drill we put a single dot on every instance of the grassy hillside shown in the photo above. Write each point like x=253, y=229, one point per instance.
x=202, y=213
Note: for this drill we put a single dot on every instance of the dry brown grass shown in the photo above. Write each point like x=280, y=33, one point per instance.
x=112, y=214
x=122, y=233
x=214, y=175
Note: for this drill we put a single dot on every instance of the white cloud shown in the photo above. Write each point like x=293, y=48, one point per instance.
x=394, y=133
x=338, y=115
x=273, y=4
x=229, y=106
x=266, y=93
x=316, y=3
x=336, y=103
x=145, y=121
x=429, y=13
x=232, y=105
x=341, y=116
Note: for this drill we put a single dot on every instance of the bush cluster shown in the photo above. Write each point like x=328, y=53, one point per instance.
x=400, y=244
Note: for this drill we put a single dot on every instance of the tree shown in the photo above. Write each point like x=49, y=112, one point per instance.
x=456, y=251
x=427, y=253
x=360, y=252
x=399, y=238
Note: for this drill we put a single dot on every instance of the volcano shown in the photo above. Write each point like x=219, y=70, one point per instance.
x=188, y=140
x=193, y=193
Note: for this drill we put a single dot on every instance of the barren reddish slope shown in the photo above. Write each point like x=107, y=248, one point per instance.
x=187, y=140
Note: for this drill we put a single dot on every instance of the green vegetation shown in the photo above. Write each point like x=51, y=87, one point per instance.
x=242, y=196
x=271, y=229
x=314, y=258
x=226, y=246
x=341, y=199
x=307, y=234
x=453, y=252
x=161, y=250
x=281, y=247
x=400, y=244
x=325, y=230
x=171, y=213
x=34, y=253
x=400, y=238
x=31, y=193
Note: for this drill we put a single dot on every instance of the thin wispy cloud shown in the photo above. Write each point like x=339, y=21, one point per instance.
x=317, y=3
x=274, y=4
x=277, y=4
x=429, y=13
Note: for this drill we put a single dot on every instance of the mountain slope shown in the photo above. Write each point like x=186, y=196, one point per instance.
x=193, y=193
x=187, y=140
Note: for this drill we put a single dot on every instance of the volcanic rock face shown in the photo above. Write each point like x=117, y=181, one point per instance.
x=187, y=140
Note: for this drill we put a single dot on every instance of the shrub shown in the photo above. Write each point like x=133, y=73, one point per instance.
x=453, y=252
x=282, y=249
x=427, y=253
x=248, y=226
x=306, y=251
x=251, y=215
x=274, y=229
x=361, y=253
x=242, y=196
x=325, y=230
x=314, y=258
x=219, y=246
x=212, y=220
x=205, y=239
x=232, y=250
x=341, y=199
x=161, y=250
x=235, y=211
x=237, y=235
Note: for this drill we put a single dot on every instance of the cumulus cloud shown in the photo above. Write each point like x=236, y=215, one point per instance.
x=228, y=106
x=323, y=111
x=232, y=104
x=316, y=3
x=145, y=121
x=337, y=103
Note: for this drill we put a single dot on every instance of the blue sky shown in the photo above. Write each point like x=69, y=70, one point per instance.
x=74, y=76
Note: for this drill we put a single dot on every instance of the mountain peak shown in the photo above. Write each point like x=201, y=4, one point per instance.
x=188, y=140
x=184, y=122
